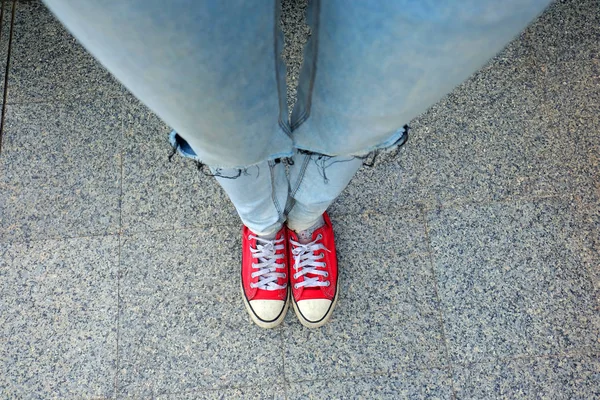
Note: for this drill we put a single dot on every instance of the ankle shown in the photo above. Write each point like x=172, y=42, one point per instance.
x=271, y=233
x=299, y=226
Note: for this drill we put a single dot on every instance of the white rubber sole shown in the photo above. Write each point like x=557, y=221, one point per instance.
x=261, y=323
x=325, y=319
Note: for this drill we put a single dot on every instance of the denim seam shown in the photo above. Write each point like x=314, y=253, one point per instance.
x=301, y=175
x=398, y=139
x=274, y=192
x=286, y=128
x=290, y=202
x=303, y=117
x=288, y=207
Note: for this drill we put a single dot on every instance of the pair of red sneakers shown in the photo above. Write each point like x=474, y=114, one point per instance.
x=304, y=267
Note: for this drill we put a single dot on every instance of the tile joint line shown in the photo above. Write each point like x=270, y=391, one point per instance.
x=10, y=39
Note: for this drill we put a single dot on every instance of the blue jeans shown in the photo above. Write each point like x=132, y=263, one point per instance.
x=212, y=71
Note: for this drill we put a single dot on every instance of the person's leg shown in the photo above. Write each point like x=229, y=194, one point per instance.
x=207, y=68
x=369, y=68
x=210, y=69
x=315, y=182
x=259, y=194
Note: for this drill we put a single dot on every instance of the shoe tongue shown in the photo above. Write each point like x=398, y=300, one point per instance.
x=305, y=236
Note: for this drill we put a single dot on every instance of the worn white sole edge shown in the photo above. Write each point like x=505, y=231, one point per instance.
x=325, y=319
x=263, y=324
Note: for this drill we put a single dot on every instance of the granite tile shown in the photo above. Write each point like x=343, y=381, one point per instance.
x=572, y=89
x=450, y=160
x=183, y=326
x=387, y=316
x=60, y=172
x=512, y=280
x=589, y=218
x=58, y=318
x=568, y=30
x=576, y=377
x=272, y=392
x=47, y=63
x=158, y=194
x=410, y=384
x=588, y=188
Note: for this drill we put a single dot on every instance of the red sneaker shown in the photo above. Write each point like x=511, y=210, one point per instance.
x=264, y=277
x=314, y=275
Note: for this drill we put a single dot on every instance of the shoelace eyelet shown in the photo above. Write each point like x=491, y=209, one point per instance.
x=295, y=286
x=326, y=274
x=328, y=284
x=319, y=237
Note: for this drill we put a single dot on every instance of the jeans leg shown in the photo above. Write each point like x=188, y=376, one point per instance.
x=315, y=182
x=259, y=194
x=210, y=69
x=372, y=66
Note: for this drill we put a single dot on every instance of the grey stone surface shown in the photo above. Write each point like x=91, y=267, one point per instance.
x=567, y=31
x=589, y=195
x=512, y=280
x=47, y=63
x=575, y=377
x=183, y=326
x=588, y=190
x=158, y=194
x=410, y=384
x=469, y=153
x=589, y=219
x=573, y=89
x=387, y=315
x=296, y=33
x=60, y=172
x=574, y=97
x=58, y=318
x=268, y=392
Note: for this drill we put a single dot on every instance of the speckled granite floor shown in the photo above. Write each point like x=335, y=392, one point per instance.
x=118, y=270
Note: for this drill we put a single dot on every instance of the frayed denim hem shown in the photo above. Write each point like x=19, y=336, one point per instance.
x=369, y=156
x=393, y=144
x=180, y=146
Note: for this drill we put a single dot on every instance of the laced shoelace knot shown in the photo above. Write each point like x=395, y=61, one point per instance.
x=267, y=265
x=307, y=264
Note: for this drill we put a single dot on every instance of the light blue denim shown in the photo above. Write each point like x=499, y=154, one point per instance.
x=211, y=70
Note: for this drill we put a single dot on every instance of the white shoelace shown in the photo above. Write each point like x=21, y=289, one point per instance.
x=306, y=262
x=267, y=266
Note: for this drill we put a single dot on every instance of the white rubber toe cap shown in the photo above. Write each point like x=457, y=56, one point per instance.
x=267, y=310
x=314, y=310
